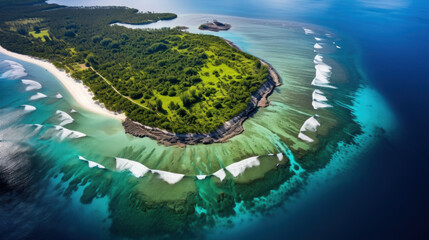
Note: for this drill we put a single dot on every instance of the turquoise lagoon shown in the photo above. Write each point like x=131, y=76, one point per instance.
x=325, y=96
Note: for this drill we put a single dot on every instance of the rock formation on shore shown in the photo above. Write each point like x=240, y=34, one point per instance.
x=215, y=26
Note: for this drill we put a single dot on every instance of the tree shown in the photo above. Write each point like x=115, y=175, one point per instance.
x=172, y=106
x=69, y=33
x=159, y=105
x=136, y=95
x=182, y=112
x=22, y=31
x=171, y=93
x=36, y=29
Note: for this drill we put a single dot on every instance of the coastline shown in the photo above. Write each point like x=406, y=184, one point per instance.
x=77, y=89
x=228, y=130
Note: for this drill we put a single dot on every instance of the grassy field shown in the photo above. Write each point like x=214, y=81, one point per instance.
x=40, y=35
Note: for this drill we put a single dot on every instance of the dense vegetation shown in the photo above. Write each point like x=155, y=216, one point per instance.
x=164, y=78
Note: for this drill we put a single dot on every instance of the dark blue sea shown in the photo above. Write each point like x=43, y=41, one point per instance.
x=385, y=194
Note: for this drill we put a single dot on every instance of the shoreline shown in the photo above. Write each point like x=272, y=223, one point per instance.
x=83, y=96
x=225, y=132
x=80, y=93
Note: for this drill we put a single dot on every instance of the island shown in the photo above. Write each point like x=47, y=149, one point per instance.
x=215, y=26
x=173, y=86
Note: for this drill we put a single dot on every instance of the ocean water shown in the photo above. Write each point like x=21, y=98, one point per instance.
x=367, y=187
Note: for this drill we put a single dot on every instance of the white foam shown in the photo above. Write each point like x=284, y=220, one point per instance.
x=305, y=137
x=38, y=96
x=75, y=87
x=31, y=85
x=308, y=31
x=318, y=39
x=309, y=125
x=29, y=108
x=319, y=96
x=220, y=174
x=318, y=59
x=201, y=177
x=316, y=105
x=64, y=133
x=169, y=177
x=317, y=46
x=64, y=118
x=323, y=73
x=73, y=111
x=136, y=168
x=91, y=164
x=16, y=71
x=38, y=127
x=238, y=168
x=280, y=156
x=319, y=100
x=58, y=96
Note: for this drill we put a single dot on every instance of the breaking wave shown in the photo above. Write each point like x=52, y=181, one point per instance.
x=310, y=125
x=38, y=96
x=31, y=85
x=319, y=100
x=323, y=73
x=91, y=164
x=16, y=70
x=64, y=117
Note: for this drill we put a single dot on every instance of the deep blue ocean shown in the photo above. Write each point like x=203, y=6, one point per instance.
x=385, y=195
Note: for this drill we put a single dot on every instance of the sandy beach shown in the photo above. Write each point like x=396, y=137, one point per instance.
x=77, y=90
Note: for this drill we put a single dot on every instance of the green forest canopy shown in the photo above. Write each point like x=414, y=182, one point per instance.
x=166, y=78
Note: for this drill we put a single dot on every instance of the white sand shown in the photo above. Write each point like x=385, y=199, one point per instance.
x=80, y=94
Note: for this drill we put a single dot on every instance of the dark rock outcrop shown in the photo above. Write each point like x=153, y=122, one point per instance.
x=215, y=26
